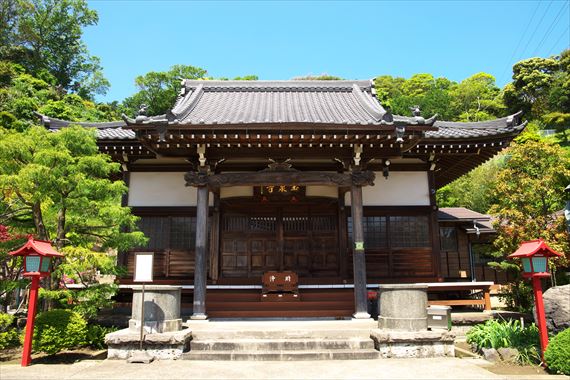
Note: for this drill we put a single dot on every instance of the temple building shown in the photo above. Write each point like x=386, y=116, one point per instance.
x=241, y=178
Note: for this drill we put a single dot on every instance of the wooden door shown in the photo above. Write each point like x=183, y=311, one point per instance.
x=300, y=238
x=248, y=244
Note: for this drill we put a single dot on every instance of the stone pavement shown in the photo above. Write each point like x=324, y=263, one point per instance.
x=439, y=368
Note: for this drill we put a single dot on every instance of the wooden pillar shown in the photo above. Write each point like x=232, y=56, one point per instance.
x=358, y=258
x=200, y=270
x=434, y=228
x=215, y=239
x=342, y=238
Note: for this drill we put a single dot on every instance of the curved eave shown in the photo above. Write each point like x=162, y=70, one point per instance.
x=54, y=123
x=470, y=134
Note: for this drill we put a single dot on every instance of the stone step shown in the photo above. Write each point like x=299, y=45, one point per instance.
x=205, y=335
x=296, y=313
x=281, y=344
x=284, y=355
x=281, y=305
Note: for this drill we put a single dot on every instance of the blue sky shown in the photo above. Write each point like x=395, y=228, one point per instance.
x=350, y=39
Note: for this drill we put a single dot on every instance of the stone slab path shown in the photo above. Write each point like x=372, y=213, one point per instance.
x=439, y=368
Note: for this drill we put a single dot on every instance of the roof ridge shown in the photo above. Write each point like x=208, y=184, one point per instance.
x=368, y=107
x=307, y=84
x=187, y=103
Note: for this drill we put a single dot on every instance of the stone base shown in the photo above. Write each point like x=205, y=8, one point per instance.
x=124, y=343
x=413, y=344
x=153, y=327
x=140, y=357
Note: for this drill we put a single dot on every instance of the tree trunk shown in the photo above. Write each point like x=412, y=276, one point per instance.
x=60, y=236
x=41, y=230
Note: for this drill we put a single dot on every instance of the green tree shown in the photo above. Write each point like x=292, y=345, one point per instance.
x=477, y=98
x=431, y=94
x=387, y=88
x=559, y=94
x=45, y=37
x=21, y=95
x=63, y=184
x=528, y=194
x=158, y=90
x=531, y=85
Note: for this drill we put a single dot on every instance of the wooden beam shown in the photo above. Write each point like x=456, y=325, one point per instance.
x=199, y=179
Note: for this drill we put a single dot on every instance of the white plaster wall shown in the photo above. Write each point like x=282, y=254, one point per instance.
x=400, y=189
x=322, y=191
x=236, y=191
x=153, y=189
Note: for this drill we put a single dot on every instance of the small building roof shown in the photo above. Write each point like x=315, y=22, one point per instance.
x=459, y=213
x=471, y=221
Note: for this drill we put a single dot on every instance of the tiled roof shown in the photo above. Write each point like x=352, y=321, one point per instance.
x=115, y=134
x=470, y=130
x=247, y=103
x=275, y=102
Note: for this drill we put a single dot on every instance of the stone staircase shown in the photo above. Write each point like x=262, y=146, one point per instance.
x=282, y=340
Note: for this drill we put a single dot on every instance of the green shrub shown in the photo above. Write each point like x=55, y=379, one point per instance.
x=519, y=296
x=8, y=333
x=59, y=329
x=557, y=354
x=505, y=334
x=96, y=336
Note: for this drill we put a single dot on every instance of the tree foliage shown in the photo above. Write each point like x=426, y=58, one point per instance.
x=158, y=89
x=44, y=36
x=64, y=185
x=540, y=85
x=64, y=182
x=529, y=192
x=10, y=267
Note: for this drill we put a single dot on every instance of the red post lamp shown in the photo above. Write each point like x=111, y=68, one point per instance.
x=534, y=256
x=38, y=256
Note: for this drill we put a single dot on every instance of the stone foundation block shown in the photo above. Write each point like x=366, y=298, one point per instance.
x=164, y=346
x=413, y=344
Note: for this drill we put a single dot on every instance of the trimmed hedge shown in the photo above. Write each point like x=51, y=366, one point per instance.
x=58, y=330
x=557, y=354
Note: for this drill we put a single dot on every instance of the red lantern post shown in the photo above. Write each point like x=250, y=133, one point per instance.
x=37, y=263
x=534, y=256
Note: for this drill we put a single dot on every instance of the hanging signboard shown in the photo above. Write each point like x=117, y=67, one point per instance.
x=292, y=193
x=143, y=266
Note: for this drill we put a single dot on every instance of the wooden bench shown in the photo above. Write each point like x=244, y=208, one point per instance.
x=482, y=286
